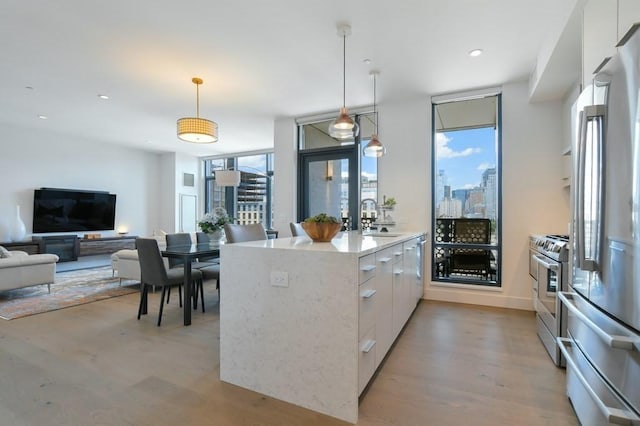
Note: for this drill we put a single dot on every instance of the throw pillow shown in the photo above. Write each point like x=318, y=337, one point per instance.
x=4, y=253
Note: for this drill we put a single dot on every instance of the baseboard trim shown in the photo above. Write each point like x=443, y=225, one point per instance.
x=477, y=298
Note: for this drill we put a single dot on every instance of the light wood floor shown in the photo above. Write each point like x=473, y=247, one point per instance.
x=96, y=364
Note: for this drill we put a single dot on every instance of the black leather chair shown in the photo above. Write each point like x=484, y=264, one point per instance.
x=154, y=274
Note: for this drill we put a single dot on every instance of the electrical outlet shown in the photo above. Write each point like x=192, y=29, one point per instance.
x=279, y=279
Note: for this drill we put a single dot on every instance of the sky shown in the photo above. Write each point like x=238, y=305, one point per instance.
x=465, y=154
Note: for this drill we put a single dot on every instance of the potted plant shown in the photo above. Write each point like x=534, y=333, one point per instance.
x=388, y=203
x=213, y=223
x=322, y=227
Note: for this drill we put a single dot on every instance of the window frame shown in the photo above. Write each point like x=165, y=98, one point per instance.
x=457, y=281
x=231, y=193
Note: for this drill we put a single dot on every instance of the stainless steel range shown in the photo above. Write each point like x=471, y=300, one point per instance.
x=549, y=268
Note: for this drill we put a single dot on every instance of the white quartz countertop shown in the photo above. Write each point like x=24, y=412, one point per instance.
x=345, y=242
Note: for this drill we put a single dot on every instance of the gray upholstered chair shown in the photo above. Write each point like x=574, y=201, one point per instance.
x=212, y=269
x=155, y=274
x=297, y=230
x=203, y=237
x=183, y=239
x=242, y=233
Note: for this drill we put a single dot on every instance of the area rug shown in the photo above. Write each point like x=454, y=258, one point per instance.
x=69, y=289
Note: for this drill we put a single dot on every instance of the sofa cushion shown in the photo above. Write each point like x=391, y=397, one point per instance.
x=4, y=253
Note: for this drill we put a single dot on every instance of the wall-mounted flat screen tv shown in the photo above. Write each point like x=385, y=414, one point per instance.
x=67, y=210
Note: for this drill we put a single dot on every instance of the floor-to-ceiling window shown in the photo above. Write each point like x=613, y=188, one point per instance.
x=249, y=202
x=334, y=176
x=466, y=193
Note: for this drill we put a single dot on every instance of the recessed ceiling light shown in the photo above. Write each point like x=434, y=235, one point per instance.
x=103, y=96
x=366, y=61
x=475, y=52
x=42, y=117
x=28, y=87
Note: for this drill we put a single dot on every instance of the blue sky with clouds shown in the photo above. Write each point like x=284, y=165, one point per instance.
x=465, y=154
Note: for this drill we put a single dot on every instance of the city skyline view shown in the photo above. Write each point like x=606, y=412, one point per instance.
x=465, y=155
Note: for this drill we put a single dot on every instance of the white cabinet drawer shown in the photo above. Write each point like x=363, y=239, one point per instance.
x=367, y=309
x=366, y=359
x=385, y=257
x=367, y=268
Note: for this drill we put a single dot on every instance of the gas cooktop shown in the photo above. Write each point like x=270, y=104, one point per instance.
x=553, y=246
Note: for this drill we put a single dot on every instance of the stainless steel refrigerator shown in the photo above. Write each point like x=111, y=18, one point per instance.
x=602, y=350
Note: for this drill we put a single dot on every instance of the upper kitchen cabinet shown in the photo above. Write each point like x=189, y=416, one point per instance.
x=628, y=14
x=558, y=63
x=604, y=23
x=599, y=36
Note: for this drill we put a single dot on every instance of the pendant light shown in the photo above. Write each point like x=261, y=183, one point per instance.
x=374, y=148
x=196, y=129
x=343, y=127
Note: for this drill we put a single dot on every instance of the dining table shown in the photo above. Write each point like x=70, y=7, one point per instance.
x=188, y=253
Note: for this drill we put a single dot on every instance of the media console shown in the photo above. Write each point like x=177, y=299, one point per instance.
x=70, y=247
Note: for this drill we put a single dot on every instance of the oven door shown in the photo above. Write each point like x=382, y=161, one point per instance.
x=549, y=283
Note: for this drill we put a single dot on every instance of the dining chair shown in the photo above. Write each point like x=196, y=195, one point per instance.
x=203, y=237
x=241, y=233
x=183, y=239
x=297, y=230
x=153, y=273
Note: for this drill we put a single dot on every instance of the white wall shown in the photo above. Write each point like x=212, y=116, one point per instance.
x=33, y=158
x=534, y=200
x=285, y=165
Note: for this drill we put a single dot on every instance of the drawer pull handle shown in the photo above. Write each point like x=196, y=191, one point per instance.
x=367, y=268
x=612, y=340
x=368, y=294
x=613, y=415
x=397, y=272
x=409, y=248
x=384, y=259
x=397, y=254
x=367, y=348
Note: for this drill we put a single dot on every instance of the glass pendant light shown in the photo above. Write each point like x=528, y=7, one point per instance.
x=374, y=148
x=343, y=127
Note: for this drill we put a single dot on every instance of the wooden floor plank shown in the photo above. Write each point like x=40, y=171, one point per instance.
x=97, y=364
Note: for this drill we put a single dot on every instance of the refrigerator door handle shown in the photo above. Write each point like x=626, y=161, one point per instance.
x=613, y=415
x=589, y=251
x=612, y=340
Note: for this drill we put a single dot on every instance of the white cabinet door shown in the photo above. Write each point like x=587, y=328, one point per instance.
x=399, y=305
x=411, y=272
x=600, y=35
x=628, y=14
x=384, y=303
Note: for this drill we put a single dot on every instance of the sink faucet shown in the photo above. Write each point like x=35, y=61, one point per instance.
x=368, y=200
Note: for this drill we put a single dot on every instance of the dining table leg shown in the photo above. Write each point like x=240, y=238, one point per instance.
x=187, y=291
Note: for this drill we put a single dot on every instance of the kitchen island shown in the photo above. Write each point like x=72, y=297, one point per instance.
x=309, y=323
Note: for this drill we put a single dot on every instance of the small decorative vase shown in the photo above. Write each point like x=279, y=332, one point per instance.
x=216, y=235
x=19, y=230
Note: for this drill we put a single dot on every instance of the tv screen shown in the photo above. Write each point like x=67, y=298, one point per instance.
x=65, y=210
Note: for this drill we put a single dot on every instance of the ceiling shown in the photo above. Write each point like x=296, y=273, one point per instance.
x=259, y=60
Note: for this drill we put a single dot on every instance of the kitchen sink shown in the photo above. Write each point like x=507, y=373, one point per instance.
x=381, y=234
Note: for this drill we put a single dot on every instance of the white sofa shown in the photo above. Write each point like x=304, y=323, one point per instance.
x=23, y=270
x=125, y=264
